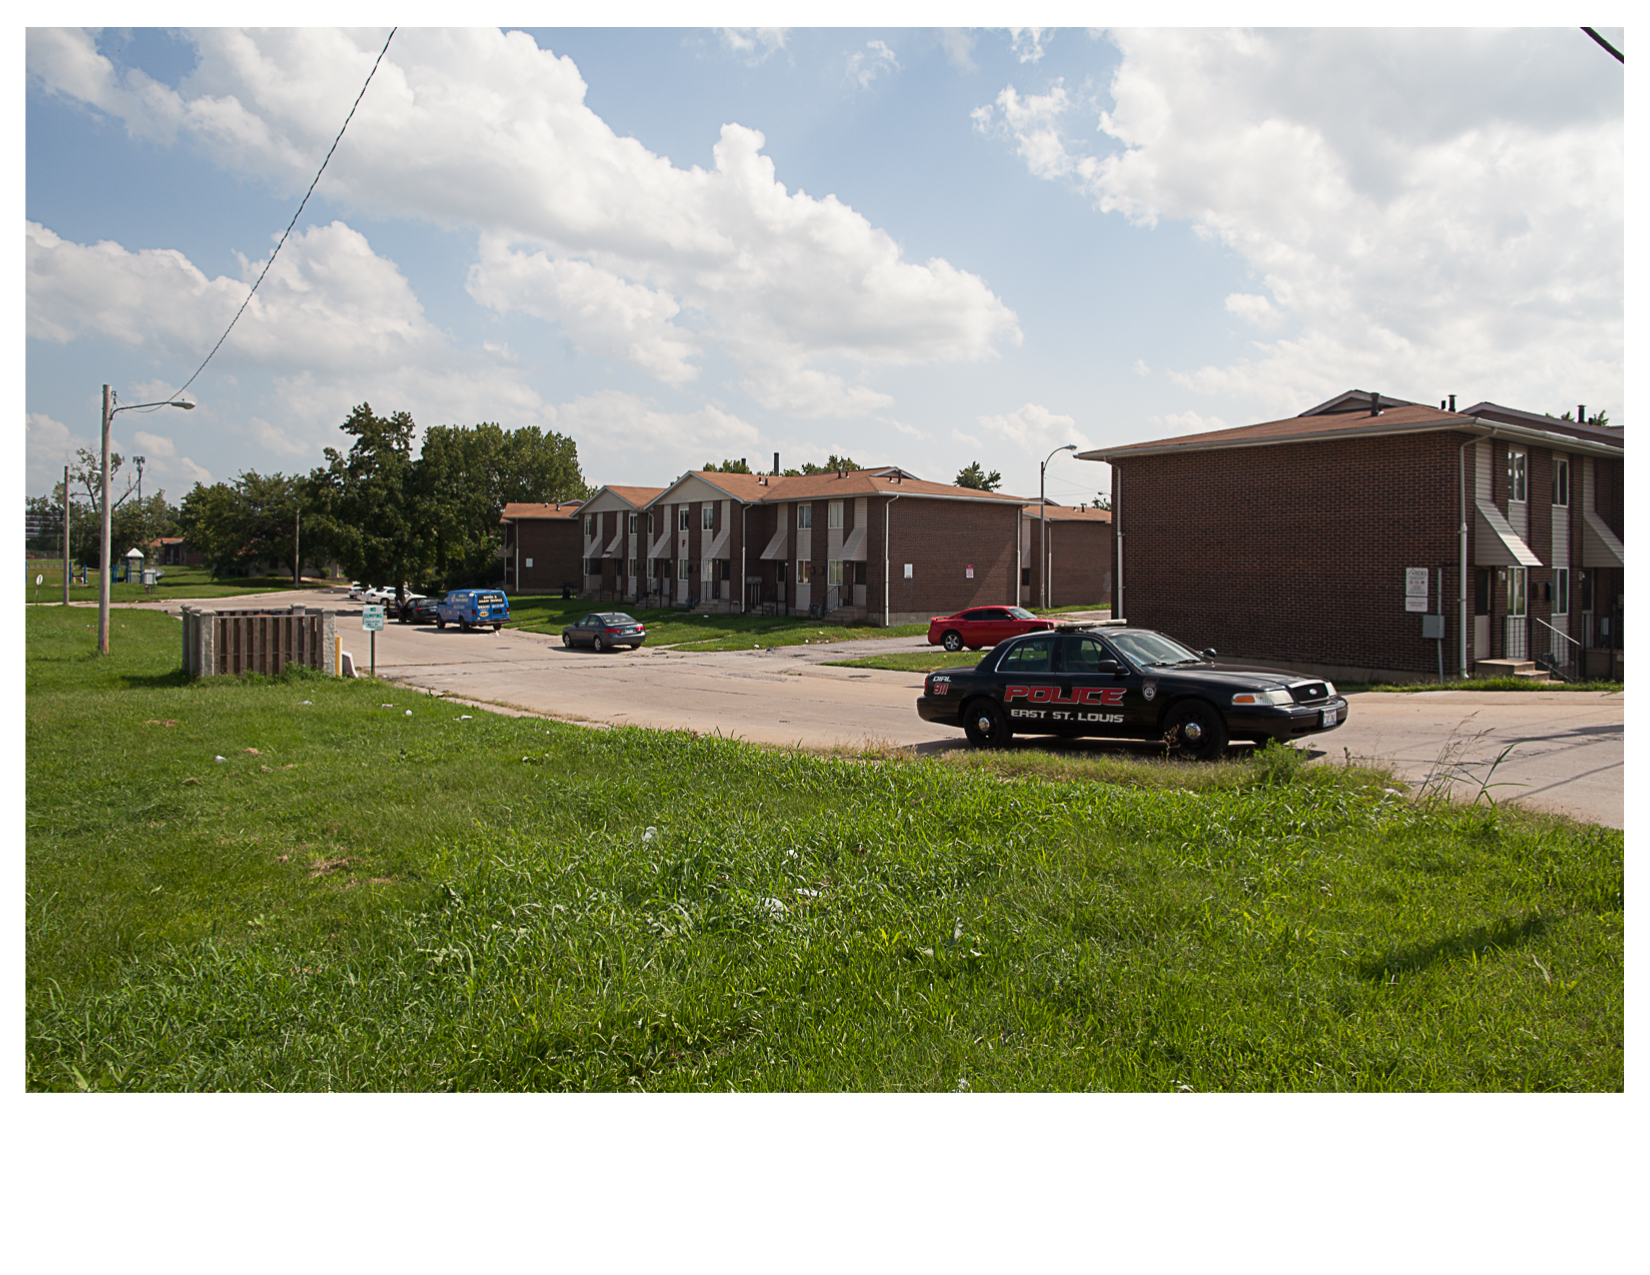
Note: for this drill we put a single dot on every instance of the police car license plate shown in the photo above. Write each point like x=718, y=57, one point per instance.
x=1331, y=716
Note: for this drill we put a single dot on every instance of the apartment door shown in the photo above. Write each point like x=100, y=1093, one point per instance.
x=1517, y=645
x=1483, y=580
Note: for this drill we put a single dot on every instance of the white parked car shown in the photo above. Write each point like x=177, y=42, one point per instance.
x=356, y=589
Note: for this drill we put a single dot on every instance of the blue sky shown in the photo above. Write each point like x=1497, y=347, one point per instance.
x=913, y=246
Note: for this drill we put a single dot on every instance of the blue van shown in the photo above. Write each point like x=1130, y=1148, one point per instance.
x=472, y=608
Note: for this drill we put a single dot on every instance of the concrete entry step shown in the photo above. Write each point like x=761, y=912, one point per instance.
x=1525, y=669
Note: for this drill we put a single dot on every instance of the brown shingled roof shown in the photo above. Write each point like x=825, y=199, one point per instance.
x=637, y=496
x=1066, y=513
x=1392, y=420
x=526, y=509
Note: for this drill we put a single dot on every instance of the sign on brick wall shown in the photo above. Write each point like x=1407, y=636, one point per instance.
x=1415, y=588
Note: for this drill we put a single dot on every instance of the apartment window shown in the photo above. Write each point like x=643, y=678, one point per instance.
x=590, y=524
x=632, y=524
x=804, y=572
x=834, y=515
x=1561, y=481
x=804, y=517
x=682, y=523
x=650, y=524
x=833, y=568
x=1561, y=591
x=859, y=573
x=682, y=565
x=635, y=567
x=707, y=517
x=780, y=576
x=1518, y=463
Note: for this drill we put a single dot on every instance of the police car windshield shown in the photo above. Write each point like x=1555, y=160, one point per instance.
x=1152, y=648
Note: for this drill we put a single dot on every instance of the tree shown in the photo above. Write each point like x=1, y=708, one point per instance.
x=365, y=503
x=831, y=466
x=1602, y=420
x=976, y=477
x=464, y=478
x=251, y=520
x=727, y=467
x=1102, y=500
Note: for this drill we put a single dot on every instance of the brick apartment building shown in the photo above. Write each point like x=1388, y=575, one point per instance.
x=614, y=531
x=1078, y=556
x=878, y=546
x=542, y=547
x=1333, y=541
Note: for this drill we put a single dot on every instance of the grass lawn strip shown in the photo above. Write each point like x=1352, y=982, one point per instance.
x=1482, y=684
x=356, y=898
x=914, y=661
x=178, y=582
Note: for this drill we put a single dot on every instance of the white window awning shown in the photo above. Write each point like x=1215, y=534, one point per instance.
x=719, y=546
x=776, y=546
x=615, y=550
x=1498, y=545
x=853, y=548
x=1599, y=546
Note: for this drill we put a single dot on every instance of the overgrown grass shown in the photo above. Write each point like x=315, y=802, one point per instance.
x=1482, y=684
x=373, y=900
x=672, y=627
x=915, y=661
x=178, y=582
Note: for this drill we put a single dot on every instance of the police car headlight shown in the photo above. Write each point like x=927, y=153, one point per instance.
x=1278, y=699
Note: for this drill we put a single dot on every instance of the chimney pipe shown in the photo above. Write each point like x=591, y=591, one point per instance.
x=776, y=464
x=1581, y=413
x=1374, y=404
x=1452, y=402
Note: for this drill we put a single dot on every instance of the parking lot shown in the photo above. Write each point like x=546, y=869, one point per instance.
x=1567, y=753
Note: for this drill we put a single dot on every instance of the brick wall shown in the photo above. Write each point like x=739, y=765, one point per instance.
x=940, y=539
x=1080, y=565
x=556, y=547
x=1296, y=553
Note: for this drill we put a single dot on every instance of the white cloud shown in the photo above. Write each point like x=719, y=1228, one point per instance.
x=1141, y=368
x=1448, y=218
x=753, y=45
x=1254, y=309
x=967, y=440
x=874, y=60
x=1027, y=42
x=1035, y=430
x=614, y=428
x=155, y=446
x=789, y=386
x=602, y=313
x=1176, y=424
x=484, y=129
x=272, y=438
x=959, y=48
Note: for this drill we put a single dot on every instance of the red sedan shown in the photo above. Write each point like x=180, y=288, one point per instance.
x=982, y=626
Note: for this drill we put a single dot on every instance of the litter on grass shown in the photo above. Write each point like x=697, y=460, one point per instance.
x=218, y=758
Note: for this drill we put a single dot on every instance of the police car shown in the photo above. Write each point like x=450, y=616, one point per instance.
x=1127, y=683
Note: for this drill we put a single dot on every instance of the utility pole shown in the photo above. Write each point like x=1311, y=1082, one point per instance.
x=103, y=542
x=138, y=461
x=297, y=557
x=66, y=569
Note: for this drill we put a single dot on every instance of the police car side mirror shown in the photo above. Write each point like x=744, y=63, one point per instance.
x=1108, y=666
x=1208, y=653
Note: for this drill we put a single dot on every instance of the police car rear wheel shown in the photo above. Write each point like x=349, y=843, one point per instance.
x=985, y=724
x=952, y=640
x=1196, y=730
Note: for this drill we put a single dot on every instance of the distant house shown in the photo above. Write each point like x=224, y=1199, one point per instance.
x=1376, y=538
x=612, y=540
x=1077, y=556
x=877, y=546
x=174, y=551
x=541, y=547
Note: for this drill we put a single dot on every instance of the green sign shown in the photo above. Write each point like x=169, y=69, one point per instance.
x=372, y=619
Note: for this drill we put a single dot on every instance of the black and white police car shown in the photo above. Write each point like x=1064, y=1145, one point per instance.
x=1127, y=683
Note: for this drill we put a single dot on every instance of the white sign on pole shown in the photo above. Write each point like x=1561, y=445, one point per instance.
x=907, y=570
x=1415, y=588
x=372, y=619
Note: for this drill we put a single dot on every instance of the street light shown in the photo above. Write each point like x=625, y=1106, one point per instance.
x=104, y=533
x=1042, y=517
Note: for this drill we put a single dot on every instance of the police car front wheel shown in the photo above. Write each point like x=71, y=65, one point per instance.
x=1195, y=729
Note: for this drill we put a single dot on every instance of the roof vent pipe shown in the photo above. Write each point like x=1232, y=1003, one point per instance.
x=776, y=464
x=1452, y=402
x=1374, y=404
x=1581, y=413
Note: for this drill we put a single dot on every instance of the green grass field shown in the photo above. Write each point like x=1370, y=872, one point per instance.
x=359, y=898
x=178, y=582
x=1481, y=684
x=672, y=627
x=915, y=661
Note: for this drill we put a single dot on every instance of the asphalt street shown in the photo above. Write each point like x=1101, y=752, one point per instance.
x=1566, y=747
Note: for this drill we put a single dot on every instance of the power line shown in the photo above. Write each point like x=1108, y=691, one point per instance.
x=290, y=224
x=1606, y=45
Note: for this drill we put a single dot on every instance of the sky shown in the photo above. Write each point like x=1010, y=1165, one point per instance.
x=919, y=247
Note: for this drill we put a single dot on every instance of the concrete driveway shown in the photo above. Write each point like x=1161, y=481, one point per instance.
x=1566, y=756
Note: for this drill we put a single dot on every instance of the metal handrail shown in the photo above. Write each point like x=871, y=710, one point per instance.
x=1572, y=641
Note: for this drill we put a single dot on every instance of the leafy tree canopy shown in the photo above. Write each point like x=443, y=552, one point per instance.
x=974, y=476
x=831, y=465
x=727, y=467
